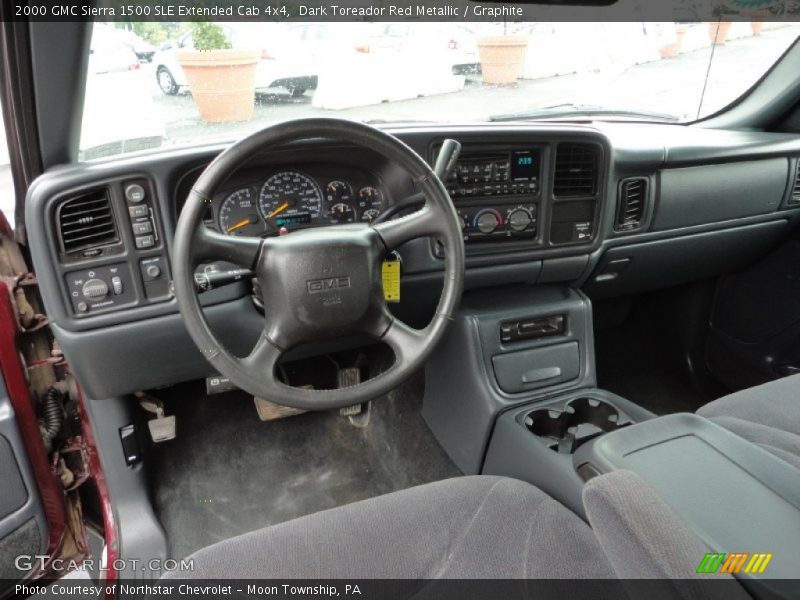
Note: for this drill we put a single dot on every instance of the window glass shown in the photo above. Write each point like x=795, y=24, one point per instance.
x=147, y=89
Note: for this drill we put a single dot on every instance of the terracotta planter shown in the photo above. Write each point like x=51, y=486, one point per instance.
x=672, y=50
x=718, y=32
x=222, y=82
x=502, y=58
x=756, y=27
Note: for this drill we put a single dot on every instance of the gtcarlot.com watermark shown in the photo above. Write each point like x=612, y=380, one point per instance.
x=28, y=562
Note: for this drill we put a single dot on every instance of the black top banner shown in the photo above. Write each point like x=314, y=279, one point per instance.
x=403, y=10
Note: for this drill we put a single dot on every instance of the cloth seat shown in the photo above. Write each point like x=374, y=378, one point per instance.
x=767, y=415
x=477, y=527
x=485, y=528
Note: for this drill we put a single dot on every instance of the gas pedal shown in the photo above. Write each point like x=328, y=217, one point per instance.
x=349, y=377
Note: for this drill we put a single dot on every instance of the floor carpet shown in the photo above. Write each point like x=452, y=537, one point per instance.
x=228, y=473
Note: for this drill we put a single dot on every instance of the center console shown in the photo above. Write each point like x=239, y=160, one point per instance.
x=537, y=442
x=735, y=496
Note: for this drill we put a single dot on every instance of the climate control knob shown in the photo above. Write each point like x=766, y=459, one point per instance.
x=95, y=289
x=486, y=221
x=519, y=220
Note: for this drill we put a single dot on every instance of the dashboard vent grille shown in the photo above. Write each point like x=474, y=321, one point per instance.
x=631, y=204
x=576, y=170
x=86, y=221
x=796, y=189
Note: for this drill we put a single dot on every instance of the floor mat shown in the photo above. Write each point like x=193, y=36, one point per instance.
x=629, y=364
x=228, y=473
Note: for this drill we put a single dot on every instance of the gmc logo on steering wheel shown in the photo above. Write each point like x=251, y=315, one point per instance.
x=316, y=286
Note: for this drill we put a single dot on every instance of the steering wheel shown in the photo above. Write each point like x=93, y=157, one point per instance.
x=319, y=283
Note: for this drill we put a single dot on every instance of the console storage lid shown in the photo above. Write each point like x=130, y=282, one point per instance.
x=734, y=495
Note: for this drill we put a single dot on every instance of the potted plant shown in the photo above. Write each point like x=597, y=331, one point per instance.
x=673, y=47
x=718, y=30
x=502, y=57
x=222, y=80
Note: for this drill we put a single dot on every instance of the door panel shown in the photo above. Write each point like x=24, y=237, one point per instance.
x=23, y=529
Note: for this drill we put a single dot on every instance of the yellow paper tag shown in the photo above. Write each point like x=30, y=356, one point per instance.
x=390, y=274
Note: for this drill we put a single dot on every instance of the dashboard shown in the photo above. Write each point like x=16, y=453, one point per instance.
x=608, y=208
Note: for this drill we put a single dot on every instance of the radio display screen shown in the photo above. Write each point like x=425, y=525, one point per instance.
x=524, y=165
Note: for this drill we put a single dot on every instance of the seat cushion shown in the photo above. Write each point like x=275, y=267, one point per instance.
x=767, y=415
x=467, y=527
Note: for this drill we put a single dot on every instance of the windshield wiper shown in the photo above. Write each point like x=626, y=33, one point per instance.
x=562, y=111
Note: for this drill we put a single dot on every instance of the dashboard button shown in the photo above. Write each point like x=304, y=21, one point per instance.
x=95, y=289
x=487, y=221
x=143, y=227
x=116, y=285
x=145, y=241
x=134, y=193
x=138, y=211
x=519, y=220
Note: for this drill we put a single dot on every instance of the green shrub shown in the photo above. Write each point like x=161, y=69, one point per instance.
x=209, y=36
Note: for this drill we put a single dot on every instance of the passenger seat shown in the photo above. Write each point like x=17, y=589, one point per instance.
x=767, y=415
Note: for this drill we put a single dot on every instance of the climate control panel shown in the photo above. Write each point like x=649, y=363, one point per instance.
x=498, y=221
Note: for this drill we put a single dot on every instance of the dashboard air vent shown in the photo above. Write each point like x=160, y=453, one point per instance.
x=631, y=203
x=86, y=221
x=576, y=170
x=796, y=188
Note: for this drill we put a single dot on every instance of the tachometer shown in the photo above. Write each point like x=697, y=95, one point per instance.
x=289, y=198
x=238, y=214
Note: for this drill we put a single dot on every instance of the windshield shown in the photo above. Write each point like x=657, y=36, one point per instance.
x=154, y=85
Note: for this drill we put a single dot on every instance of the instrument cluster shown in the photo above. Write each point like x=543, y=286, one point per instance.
x=290, y=199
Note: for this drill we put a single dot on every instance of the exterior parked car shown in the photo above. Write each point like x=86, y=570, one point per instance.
x=456, y=43
x=144, y=51
x=119, y=81
x=109, y=53
x=278, y=67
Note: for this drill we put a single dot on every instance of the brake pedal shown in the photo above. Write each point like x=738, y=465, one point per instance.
x=269, y=411
x=164, y=427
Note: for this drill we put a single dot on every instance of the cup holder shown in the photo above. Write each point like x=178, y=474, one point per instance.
x=581, y=420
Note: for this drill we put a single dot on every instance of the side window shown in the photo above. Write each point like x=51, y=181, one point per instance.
x=7, y=195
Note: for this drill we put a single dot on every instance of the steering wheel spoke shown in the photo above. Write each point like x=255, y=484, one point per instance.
x=405, y=341
x=263, y=357
x=208, y=245
x=426, y=221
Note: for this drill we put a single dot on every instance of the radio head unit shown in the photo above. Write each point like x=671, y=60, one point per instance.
x=502, y=173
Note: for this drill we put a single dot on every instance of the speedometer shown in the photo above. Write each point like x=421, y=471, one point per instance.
x=289, y=198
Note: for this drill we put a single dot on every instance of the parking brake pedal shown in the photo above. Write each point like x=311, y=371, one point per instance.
x=164, y=427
